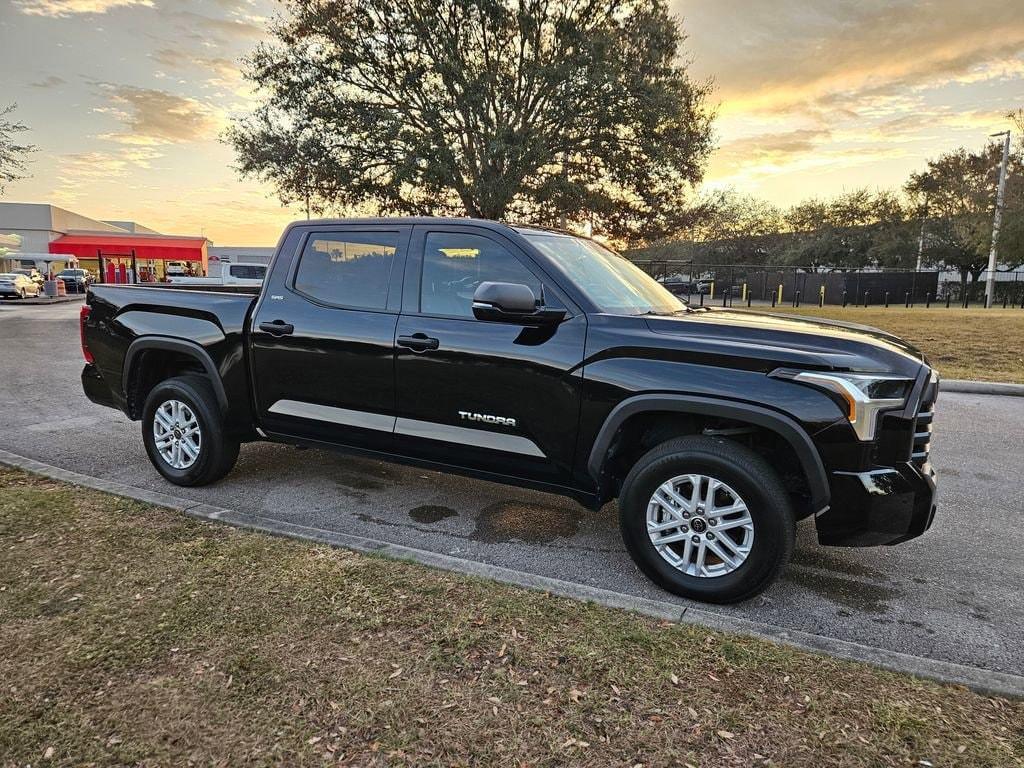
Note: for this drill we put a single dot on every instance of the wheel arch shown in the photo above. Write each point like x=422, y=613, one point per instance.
x=783, y=426
x=136, y=356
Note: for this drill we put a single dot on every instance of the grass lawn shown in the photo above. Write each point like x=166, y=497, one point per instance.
x=979, y=344
x=135, y=635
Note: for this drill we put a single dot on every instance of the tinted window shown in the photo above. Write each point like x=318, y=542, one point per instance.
x=350, y=270
x=247, y=271
x=454, y=264
x=613, y=283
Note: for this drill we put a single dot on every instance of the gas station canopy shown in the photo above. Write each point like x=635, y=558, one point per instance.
x=145, y=247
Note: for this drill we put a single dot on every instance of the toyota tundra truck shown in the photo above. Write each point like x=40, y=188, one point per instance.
x=535, y=358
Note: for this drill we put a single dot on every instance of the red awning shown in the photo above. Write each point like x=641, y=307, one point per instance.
x=161, y=248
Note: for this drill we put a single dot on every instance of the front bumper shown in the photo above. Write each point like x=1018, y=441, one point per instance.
x=890, y=498
x=881, y=506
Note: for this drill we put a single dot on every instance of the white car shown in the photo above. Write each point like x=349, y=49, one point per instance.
x=14, y=284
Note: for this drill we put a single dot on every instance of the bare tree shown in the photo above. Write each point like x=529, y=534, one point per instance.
x=13, y=163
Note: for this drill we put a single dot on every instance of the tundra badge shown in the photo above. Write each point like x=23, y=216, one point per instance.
x=487, y=418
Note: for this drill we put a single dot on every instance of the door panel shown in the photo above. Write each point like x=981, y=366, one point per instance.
x=492, y=396
x=331, y=378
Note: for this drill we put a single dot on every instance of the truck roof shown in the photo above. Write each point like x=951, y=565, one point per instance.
x=412, y=220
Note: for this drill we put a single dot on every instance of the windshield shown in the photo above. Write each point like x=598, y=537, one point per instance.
x=613, y=283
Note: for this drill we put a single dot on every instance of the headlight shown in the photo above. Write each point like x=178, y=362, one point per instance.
x=865, y=395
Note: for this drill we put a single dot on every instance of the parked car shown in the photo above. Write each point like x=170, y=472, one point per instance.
x=535, y=358
x=75, y=280
x=15, y=284
x=33, y=275
x=680, y=286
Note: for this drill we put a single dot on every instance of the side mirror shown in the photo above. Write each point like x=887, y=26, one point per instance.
x=511, y=303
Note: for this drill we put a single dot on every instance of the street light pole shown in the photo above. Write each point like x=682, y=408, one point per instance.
x=990, y=284
x=920, y=238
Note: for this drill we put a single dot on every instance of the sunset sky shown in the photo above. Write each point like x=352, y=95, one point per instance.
x=126, y=98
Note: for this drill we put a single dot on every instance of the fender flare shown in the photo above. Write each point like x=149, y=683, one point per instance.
x=787, y=428
x=190, y=348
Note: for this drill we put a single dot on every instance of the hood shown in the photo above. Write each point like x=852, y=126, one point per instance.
x=777, y=340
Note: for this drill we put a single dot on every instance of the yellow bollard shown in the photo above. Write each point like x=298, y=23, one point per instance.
x=780, y=293
x=712, y=294
x=821, y=296
x=744, y=297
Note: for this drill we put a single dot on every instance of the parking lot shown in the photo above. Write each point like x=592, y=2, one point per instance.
x=953, y=594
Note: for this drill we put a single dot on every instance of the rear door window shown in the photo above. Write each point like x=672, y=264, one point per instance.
x=347, y=269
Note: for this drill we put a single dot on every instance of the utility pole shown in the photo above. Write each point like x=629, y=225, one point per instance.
x=990, y=284
x=920, y=237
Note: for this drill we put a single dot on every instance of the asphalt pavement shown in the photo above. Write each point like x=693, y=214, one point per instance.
x=955, y=594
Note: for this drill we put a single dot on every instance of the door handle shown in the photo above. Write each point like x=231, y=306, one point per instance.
x=277, y=328
x=418, y=342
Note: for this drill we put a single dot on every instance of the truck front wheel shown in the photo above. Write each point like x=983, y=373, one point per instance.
x=707, y=519
x=181, y=427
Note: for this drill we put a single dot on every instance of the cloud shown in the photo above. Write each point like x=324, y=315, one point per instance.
x=51, y=81
x=78, y=166
x=808, y=56
x=769, y=149
x=62, y=8
x=152, y=116
x=204, y=29
x=224, y=71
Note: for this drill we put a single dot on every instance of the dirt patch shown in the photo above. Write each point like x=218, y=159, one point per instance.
x=834, y=561
x=522, y=521
x=362, y=474
x=859, y=595
x=431, y=513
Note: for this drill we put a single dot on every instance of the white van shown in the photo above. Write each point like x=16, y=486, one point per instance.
x=231, y=274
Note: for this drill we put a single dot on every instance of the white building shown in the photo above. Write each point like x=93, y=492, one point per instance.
x=49, y=238
x=37, y=224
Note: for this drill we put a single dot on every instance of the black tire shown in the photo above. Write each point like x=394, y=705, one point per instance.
x=742, y=470
x=217, y=453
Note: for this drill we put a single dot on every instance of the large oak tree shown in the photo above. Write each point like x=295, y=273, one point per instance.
x=533, y=110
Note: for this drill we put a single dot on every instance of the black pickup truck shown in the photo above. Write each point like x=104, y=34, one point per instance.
x=536, y=358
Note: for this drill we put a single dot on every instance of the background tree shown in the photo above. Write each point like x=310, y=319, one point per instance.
x=851, y=231
x=727, y=228
x=538, y=110
x=12, y=154
x=960, y=187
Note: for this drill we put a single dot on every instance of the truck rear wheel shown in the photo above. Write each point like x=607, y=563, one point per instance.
x=183, y=434
x=707, y=519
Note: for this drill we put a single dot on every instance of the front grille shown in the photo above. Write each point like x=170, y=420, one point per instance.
x=922, y=441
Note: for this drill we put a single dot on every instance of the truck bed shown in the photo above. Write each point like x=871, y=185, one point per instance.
x=127, y=323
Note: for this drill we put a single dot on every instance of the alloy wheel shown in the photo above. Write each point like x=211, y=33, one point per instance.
x=176, y=434
x=700, y=525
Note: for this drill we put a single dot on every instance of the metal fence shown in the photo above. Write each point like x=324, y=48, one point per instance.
x=749, y=284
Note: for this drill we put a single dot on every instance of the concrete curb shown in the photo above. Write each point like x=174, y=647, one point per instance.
x=981, y=680
x=982, y=387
